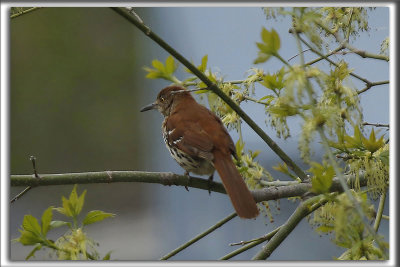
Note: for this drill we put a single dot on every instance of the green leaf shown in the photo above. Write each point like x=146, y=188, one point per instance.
x=31, y=224
x=28, y=238
x=354, y=141
x=80, y=202
x=32, y=253
x=170, y=65
x=107, y=256
x=56, y=224
x=96, y=216
x=276, y=42
x=271, y=42
x=158, y=65
x=283, y=168
x=66, y=208
x=46, y=219
x=261, y=58
x=203, y=65
x=153, y=75
x=372, y=144
x=322, y=179
x=265, y=35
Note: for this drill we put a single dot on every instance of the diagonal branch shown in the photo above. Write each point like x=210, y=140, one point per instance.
x=214, y=88
x=200, y=236
x=302, y=211
x=24, y=12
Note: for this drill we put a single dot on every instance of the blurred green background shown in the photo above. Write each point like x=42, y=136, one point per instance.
x=77, y=86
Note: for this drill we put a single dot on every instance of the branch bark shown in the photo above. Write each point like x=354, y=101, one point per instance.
x=167, y=178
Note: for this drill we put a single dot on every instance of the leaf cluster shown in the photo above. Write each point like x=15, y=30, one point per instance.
x=74, y=244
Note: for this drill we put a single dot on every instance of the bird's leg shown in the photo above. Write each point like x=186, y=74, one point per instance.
x=210, y=180
x=187, y=174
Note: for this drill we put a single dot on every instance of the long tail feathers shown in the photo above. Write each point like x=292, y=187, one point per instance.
x=240, y=196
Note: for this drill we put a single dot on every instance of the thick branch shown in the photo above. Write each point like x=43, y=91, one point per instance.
x=167, y=178
x=164, y=178
x=214, y=88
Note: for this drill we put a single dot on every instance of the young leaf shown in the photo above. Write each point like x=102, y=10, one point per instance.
x=261, y=58
x=96, y=216
x=158, y=65
x=372, y=144
x=170, y=65
x=31, y=224
x=46, y=219
x=80, y=202
x=28, y=238
x=203, y=66
x=56, y=224
x=275, y=40
x=66, y=208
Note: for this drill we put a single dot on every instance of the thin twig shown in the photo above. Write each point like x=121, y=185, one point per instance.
x=24, y=12
x=331, y=61
x=376, y=124
x=262, y=239
x=370, y=85
x=309, y=49
x=251, y=244
x=215, y=89
x=23, y=192
x=200, y=236
x=361, y=53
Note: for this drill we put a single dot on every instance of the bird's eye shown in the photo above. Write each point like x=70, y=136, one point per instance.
x=162, y=99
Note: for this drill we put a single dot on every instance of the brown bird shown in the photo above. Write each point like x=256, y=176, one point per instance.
x=199, y=142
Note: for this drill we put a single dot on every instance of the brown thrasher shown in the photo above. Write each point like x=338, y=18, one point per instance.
x=199, y=142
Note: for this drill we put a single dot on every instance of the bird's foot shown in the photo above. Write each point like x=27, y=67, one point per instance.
x=210, y=180
x=187, y=174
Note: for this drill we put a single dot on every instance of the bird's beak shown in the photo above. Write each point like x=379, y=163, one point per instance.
x=149, y=107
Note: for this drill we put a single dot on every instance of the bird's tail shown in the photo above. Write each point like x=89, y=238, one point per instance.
x=240, y=196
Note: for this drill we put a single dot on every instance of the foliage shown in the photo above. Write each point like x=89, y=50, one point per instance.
x=339, y=218
x=327, y=102
x=74, y=244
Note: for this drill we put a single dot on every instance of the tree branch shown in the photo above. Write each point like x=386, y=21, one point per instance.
x=200, y=236
x=164, y=178
x=302, y=211
x=361, y=53
x=370, y=85
x=167, y=178
x=251, y=244
x=24, y=12
x=214, y=88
